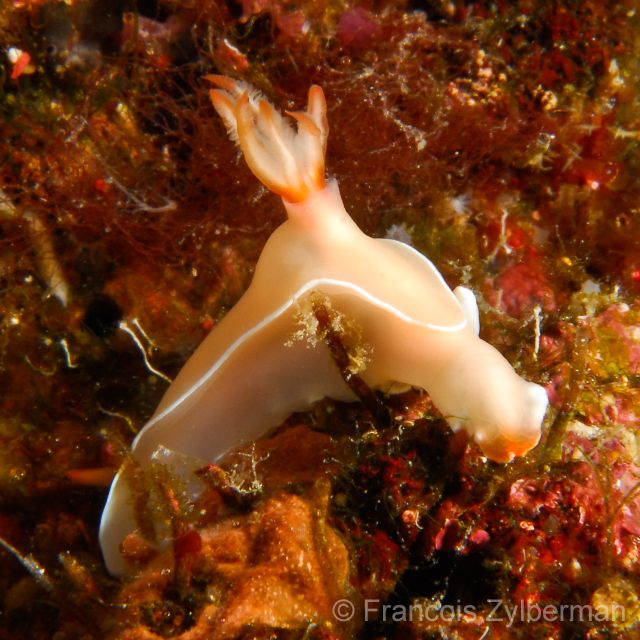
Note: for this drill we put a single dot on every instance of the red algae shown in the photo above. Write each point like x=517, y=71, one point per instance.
x=499, y=138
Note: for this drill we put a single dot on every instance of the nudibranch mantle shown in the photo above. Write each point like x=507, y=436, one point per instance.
x=248, y=375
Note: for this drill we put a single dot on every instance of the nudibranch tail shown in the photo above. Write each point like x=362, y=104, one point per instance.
x=288, y=162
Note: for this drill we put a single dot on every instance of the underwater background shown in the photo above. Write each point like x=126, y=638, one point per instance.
x=501, y=139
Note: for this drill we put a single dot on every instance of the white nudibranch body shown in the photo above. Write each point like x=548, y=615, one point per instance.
x=248, y=375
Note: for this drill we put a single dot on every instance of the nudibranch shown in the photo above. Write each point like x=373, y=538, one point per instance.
x=249, y=374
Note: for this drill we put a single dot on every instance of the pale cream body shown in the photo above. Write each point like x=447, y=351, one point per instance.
x=248, y=375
